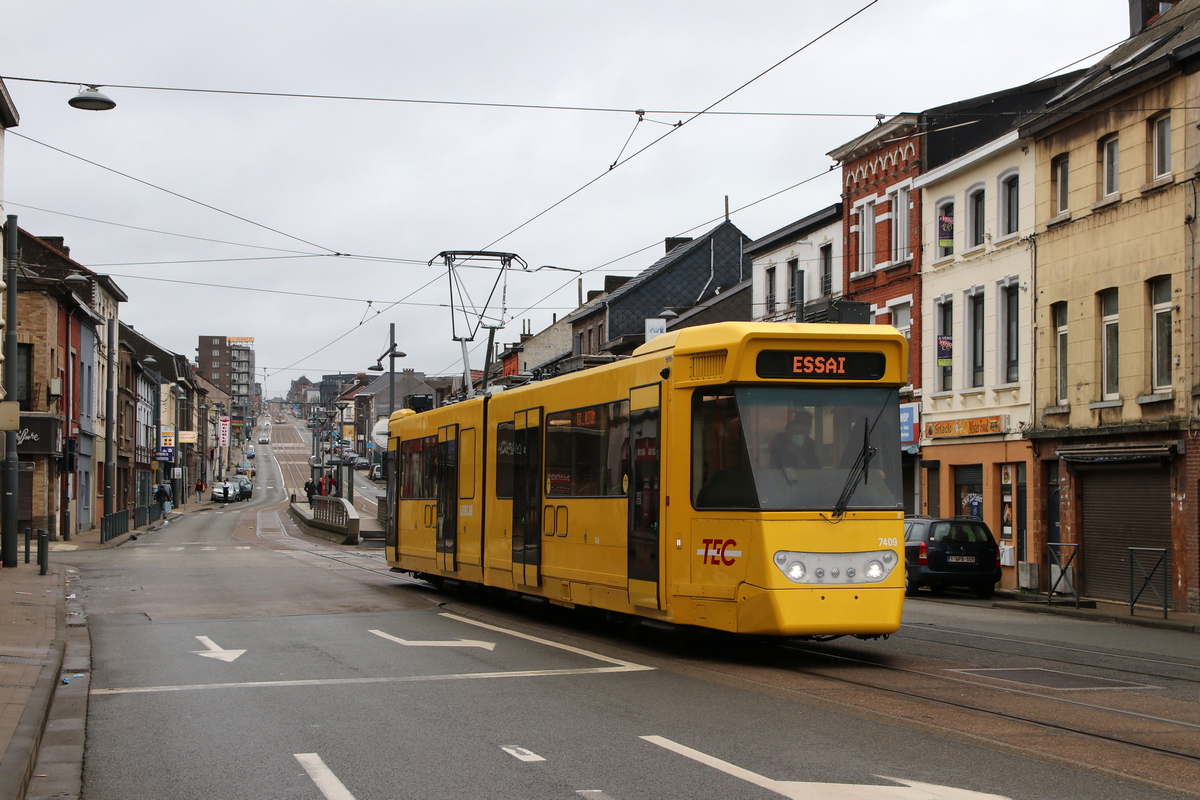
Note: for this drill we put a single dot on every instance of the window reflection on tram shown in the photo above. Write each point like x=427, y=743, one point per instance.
x=793, y=448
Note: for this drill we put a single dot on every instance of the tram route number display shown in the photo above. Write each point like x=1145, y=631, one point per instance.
x=821, y=364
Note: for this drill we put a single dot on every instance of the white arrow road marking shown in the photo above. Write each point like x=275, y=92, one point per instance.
x=216, y=652
x=593, y=794
x=323, y=777
x=455, y=643
x=521, y=753
x=800, y=790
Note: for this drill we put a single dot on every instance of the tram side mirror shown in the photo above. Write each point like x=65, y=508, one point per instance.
x=665, y=372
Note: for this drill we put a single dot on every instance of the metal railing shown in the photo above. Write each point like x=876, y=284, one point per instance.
x=1148, y=577
x=114, y=525
x=1064, y=571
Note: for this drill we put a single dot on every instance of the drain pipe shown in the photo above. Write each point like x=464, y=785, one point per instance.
x=712, y=270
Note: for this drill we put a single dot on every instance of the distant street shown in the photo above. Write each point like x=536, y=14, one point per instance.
x=235, y=657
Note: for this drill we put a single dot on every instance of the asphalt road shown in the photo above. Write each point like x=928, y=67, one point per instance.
x=234, y=658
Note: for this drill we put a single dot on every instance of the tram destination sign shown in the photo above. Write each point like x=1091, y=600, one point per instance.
x=821, y=365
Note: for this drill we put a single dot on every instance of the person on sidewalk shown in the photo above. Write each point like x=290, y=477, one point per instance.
x=199, y=490
x=310, y=489
x=163, y=498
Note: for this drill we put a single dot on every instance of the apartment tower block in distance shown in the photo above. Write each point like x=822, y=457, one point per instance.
x=228, y=362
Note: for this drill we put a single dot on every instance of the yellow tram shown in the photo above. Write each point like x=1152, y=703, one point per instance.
x=738, y=476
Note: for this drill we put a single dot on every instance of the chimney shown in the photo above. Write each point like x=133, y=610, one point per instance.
x=675, y=241
x=593, y=294
x=57, y=243
x=1143, y=12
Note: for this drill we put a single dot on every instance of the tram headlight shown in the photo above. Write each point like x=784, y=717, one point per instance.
x=835, y=568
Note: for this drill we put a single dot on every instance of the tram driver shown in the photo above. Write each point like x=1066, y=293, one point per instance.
x=793, y=447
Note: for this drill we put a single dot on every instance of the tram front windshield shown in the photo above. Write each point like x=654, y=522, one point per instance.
x=786, y=448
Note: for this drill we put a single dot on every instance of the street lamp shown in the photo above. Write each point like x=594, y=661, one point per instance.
x=391, y=354
x=91, y=99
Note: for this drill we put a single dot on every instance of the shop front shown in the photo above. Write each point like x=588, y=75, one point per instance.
x=973, y=468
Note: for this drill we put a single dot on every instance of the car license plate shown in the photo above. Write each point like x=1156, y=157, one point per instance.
x=961, y=559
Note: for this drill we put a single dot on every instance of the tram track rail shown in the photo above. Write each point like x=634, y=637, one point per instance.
x=909, y=694
x=1062, y=661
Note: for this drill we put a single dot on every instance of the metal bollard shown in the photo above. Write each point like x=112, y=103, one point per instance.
x=28, y=537
x=43, y=551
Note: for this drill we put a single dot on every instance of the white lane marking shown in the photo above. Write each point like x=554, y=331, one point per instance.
x=464, y=676
x=593, y=794
x=208, y=548
x=241, y=547
x=800, y=790
x=455, y=643
x=521, y=753
x=323, y=777
x=174, y=548
x=215, y=651
x=626, y=666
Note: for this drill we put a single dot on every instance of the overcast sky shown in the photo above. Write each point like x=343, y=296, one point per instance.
x=402, y=181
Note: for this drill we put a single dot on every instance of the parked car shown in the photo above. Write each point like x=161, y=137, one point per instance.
x=245, y=488
x=950, y=551
x=264, y=439
x=376, y=473
x=224, y=492
x=361, y=463
x=243, y=467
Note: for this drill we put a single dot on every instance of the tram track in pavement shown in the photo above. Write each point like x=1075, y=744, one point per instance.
x=295, y=470
x=1049, y=659
x=959, y=683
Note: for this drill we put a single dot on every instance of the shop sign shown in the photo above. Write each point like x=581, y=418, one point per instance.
x=945, y=231
x=910, y=423
x=223, y=432
x=39, y=436
x=976, y=426
x=187, y=437
x=166, y=438
x=165, y=454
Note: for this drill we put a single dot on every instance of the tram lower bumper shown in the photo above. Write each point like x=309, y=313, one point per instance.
x=819, y=611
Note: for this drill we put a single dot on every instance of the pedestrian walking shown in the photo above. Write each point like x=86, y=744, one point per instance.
x=163, y=497
x=310, y=489
x=199, y=490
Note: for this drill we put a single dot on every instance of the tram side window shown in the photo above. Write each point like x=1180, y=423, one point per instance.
x=504, y=459
x=418, y=468
x=721, y=474
x=587, y=451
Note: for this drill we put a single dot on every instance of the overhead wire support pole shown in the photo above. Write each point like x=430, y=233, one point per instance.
x=473, y=318
x=8, y=518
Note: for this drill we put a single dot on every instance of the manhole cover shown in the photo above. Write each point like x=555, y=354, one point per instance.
x=1052, y=679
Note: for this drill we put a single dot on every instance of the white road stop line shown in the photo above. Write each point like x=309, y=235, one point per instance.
x=323, y=777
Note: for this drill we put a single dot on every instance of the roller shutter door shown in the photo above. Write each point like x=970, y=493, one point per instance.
x=1122, y=508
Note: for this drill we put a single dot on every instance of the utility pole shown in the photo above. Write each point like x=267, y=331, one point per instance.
x=8, y=533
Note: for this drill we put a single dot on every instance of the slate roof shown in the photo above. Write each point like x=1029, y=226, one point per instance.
x=796, y=230
x=1171, y=40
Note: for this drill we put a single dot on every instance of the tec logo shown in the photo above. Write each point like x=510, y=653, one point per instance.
x=715, y=550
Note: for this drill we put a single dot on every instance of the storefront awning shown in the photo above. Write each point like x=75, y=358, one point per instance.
x=1117, y=453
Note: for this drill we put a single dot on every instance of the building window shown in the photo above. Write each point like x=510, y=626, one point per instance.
x=1011, y=317
x=1160, y=309
x=1109, y=151
x=975, y=308
x=1162, y=147
x=826, y=269
x=1010, y=205
x=902, y=318
x=1059, y=185
x=946, y=335
x=770, y=300
x=216, y=352
x=1110, y=345
x=975, y=218
x=866, y=237
x=945, y=229
x=899, y=203
x=796, y=277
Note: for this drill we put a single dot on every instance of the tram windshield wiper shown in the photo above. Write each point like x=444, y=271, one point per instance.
x=858, y=471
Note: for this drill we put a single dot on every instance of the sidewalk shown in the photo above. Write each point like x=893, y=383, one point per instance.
x=1100, y=611
x=35, y=618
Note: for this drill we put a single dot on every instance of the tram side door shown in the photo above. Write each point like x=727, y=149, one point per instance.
x=447, y=498
x=527, y=497
x=644, y=495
